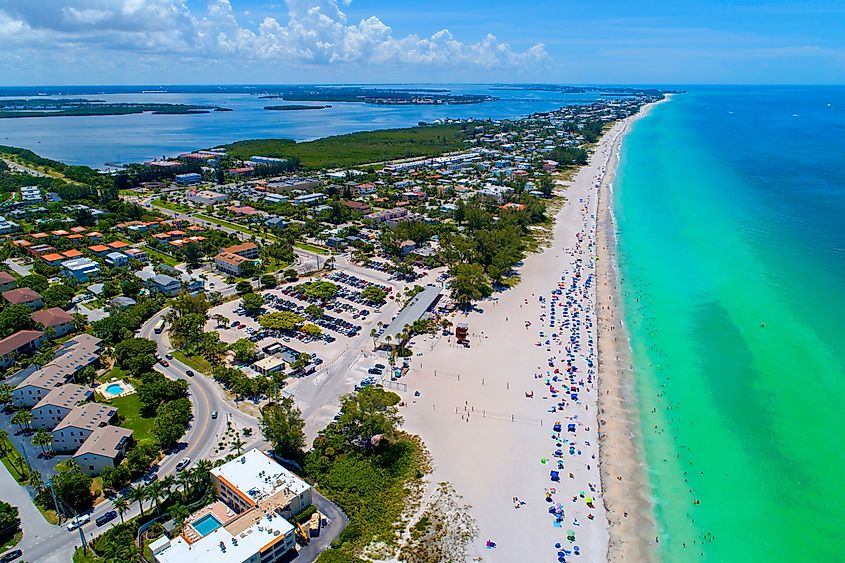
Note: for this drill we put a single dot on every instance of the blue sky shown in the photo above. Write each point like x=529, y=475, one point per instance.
x=286, y=41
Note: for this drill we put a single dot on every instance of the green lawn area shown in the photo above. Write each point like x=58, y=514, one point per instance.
x=236, y=226
x=358, y=148
x=170, y=206
x=312, y=248
x=129, y=408
x=166, y=258
x=196, y=363
x=13, y=460
x=11, y=542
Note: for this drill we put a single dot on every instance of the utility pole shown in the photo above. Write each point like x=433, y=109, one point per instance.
x=55, y=501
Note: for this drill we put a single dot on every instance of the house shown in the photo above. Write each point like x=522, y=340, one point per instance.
x=7, y=226
x=57, y=404
x=122, y=302
x=379, y=217
x=99, y=249
x=7, y=281
x=23, y=341
x=116, y=259
x=230, y=263
x=414, y=196
x=53, y=259
x=164, y=284
x=255, y=497
x=24, y=296
x=511, y=206
x=244, y=210
x=356, y=206
x=118, y=245
x=137, y=254
x=79, y=424
x=105, y=447
x=60, y=321
x=81, y=351
x=81, y=269
x=247, y=250
x=406, y=247
x=188, y=179
x=362, y=189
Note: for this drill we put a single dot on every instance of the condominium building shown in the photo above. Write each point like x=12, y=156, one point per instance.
x=248, y=522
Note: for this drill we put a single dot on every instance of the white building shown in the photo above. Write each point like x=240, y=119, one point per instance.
x=247, y=524
x=82, y=269
x=207, y=197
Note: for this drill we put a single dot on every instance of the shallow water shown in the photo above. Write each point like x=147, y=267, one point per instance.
x=730, y=205
x=97, y=140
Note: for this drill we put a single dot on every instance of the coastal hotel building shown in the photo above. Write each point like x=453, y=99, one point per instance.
x=247, y=522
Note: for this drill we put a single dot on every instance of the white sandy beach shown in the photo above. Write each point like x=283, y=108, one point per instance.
x=489, y=439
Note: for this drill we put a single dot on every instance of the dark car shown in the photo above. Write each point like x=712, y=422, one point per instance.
x=107, y=517
x=190, y=373
x=11, y=556
x=375, y=371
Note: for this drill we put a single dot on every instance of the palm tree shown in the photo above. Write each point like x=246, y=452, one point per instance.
x=138, y=493
x=36, y=481
x=121, y=506
x=373, y=335
x=43, y=439
x=5, y=394
x=167, y=484
x=184, y=480
x=154, y=492
x=22, y=418
x=237, y=444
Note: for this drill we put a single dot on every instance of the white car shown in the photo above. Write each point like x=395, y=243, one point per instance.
x=183, y=463
x=80, y=520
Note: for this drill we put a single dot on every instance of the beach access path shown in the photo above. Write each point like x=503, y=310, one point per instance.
x=486, y=436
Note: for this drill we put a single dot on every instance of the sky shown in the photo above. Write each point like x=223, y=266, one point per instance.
x=394, y=41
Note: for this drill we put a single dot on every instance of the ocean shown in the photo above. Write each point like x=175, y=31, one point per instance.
x=730, y=206
x=99, y=141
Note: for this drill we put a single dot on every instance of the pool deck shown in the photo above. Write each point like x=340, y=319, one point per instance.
x=219, y=510
x=127, y=388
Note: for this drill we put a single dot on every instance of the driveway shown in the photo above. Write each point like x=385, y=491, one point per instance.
x=337, y=521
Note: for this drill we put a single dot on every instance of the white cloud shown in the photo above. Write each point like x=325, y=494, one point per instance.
x=316, y=32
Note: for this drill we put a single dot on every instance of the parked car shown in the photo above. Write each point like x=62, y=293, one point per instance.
x=106, y=517
x=11, y=556
x=183, y=463
x=80, y=520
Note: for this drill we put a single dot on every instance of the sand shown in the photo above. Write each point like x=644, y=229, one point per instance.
x=489, y=439
x=627, y=497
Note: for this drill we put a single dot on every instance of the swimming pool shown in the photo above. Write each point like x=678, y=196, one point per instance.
x=114, y=389
x=206, y=525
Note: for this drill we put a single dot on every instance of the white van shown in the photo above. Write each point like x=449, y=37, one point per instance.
x=80, y=520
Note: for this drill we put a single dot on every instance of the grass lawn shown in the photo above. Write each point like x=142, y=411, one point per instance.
x=194, y=362
x=236, y=227
x=171, y=206
x=11, y=542
x=166, y=258
x=312, y=248
x=13, y=460
x=129, y=409
x=114, y=372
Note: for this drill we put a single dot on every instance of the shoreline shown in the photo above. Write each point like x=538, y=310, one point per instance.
x=489, y=414
x=627, y=496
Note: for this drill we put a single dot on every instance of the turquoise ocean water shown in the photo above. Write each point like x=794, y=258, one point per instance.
x=731, y=210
